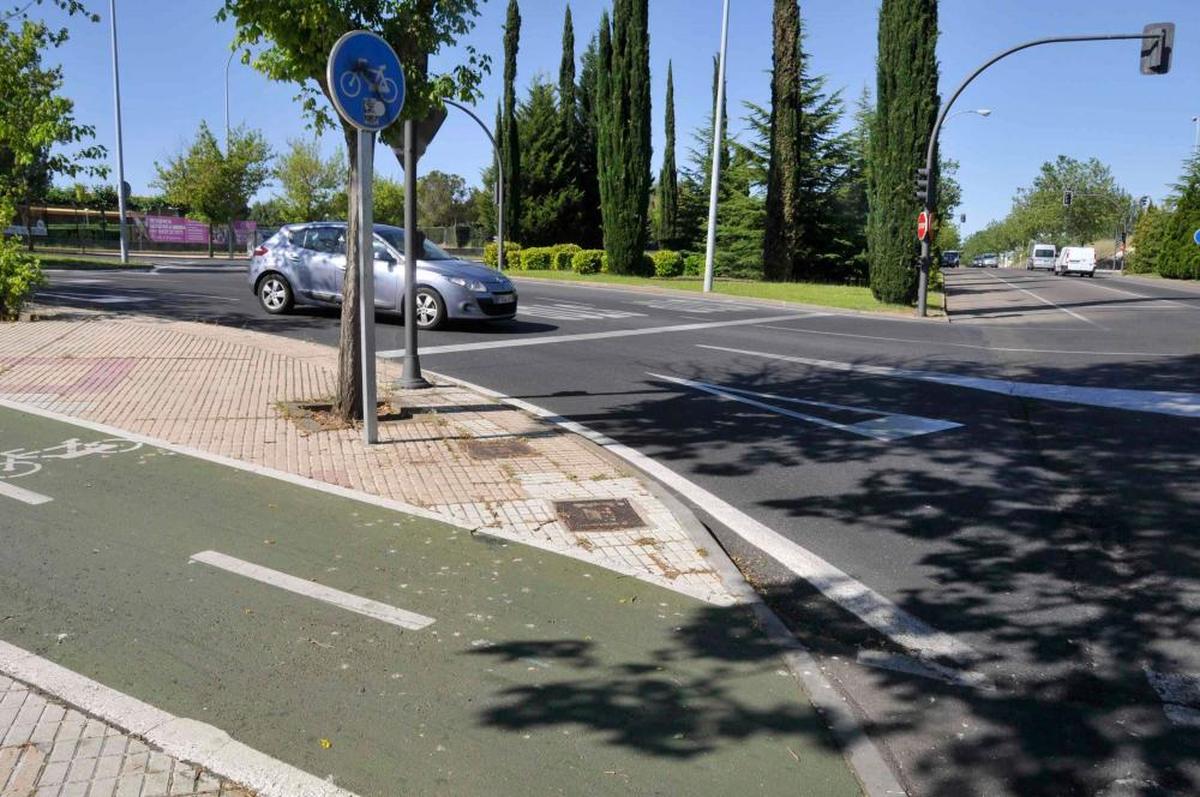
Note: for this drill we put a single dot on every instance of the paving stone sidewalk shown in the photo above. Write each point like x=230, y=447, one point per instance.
x=50, y=750
x=468, y=458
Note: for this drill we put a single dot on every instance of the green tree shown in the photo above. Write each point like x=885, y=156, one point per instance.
x=1180, y=257
x=667, y=205
x=547, y=171
x=851, y=204
x=308, y=182
x=39, y=136
x=566, y=79
x=1150, y=240
x=216, y=185
x=294, y=39
x=510, y=136
x=443, y=200
x=590, y=233
x=906, y=107
x=387, y=199
x=624, y=133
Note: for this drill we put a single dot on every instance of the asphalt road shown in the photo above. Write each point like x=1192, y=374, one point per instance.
x=1019, y=480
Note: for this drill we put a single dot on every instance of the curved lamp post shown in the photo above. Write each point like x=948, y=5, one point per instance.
x=499, y=181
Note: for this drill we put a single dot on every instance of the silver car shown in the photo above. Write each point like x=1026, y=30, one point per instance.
x=306, y=263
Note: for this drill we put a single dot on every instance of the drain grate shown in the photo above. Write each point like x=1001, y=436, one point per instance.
x=498, y=449
x=598, y=515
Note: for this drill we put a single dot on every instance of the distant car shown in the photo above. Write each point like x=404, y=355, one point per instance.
x=306, y=262
x=977, y=261
x=1079, y=260
x=951, y=259
x=989, y=260
x=1041, y=256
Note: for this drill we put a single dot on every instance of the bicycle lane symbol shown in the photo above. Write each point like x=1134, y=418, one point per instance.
x=17, y=463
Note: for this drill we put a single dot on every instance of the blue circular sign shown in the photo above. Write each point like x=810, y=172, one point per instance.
x=365, y=79
x=1196, y=237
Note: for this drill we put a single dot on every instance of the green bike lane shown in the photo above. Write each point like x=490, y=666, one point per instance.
x=539, y=674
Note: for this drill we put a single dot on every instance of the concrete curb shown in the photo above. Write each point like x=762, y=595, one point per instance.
x=865, y=760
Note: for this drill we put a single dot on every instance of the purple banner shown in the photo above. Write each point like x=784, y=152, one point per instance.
x=175, y=230
x=243, y=231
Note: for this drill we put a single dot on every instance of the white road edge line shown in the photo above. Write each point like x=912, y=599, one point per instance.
x=855, y=597
x=1160, y=402
x=1043, y=299
x=310, y=589
x=366, y=498
x=895, y=662
x=1163, y=299
x=185, y=739
x=23, y=495
x=540, y=340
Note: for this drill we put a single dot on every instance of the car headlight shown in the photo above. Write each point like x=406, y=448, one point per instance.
x=471, y=285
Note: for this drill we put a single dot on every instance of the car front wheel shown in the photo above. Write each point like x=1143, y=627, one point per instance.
x=275, y=295
x=431, y=310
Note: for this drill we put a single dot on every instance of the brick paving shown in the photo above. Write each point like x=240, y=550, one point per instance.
x=48, y=749
x=223, y=390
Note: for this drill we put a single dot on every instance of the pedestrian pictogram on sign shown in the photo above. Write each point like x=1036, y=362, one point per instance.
x=922, y=225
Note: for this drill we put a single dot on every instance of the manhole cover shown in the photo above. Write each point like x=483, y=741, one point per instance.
x=598, y=515
x=498, y=449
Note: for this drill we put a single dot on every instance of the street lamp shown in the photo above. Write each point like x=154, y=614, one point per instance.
x=1196, y=119
x=228, y=61
x=112, y=14
x=499, y=180
x=711, y=242
x=984, y=112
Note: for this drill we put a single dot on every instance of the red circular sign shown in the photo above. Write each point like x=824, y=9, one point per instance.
x=922, y=225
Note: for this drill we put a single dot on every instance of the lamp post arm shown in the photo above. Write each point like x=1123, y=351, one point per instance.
x=499, y=180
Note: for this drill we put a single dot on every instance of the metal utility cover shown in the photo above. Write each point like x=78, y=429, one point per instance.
x=498, y=449
x=598, y=515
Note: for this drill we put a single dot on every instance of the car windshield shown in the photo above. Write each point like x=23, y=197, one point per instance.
x=1043, y=253
x=395, y=238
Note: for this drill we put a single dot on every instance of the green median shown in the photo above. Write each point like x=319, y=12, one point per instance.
x=86, y=262
x=841, y=297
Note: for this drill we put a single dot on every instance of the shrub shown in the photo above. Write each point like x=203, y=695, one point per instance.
x=537, y=258
x=562, y=256
x=512, y=255
x=693, y=264
x=589, y=261
x=20, y=276
x=667, y=263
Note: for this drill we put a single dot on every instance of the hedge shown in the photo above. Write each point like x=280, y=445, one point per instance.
x=589, y=261
x=563, y=254
x=667, y=263
x=20, y=276
x=693, y=264
x=512, y=255
x=537, y=258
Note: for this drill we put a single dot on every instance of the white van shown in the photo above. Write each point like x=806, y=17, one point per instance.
x=1076, y=260
x=1041, y=256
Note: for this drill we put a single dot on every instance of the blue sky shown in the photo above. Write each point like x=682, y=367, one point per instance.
x=1081, y=100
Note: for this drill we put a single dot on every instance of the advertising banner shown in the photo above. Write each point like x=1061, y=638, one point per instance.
x=175, y=230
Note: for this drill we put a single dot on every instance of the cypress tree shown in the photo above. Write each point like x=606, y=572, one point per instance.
x=589, y=234
x=624, y=133
x=510, y=146
x=784, y=234
x=552, y=198
x=668, y=178
x=906, y=107
x=566, y=77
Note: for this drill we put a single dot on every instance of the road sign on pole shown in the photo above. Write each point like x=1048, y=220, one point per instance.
x=922, y=225
x=366, y=84
x=1196, y=237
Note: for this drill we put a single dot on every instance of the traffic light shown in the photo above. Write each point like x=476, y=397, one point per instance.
x=1158, y=40
x=922, y=193
x=1067, y=196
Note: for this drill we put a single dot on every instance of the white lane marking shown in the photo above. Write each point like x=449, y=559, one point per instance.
x=976, y=345
x=694, y=306
x=88, y=299
x=1161, y=402
x=855, y=597
x=924, y=669
x=390, y=504
x=179, y=737
x=1180, y=695
x=1044, y=300
x=1162, y=299
x=309, y=589
x=23, y=495
x=582, y=336
x=571, y=311
x=886, y=427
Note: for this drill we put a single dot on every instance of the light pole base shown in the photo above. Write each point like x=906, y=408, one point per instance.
x=410, y=377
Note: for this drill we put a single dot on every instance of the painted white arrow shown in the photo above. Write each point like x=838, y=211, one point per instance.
x=883, y=426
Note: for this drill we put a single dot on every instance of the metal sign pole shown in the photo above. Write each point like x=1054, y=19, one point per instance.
x=366, y=280
x=410, y=377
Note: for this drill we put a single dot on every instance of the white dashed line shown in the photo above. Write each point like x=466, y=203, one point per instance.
x=23, y=495
x=1044, y=300
x=309, y=589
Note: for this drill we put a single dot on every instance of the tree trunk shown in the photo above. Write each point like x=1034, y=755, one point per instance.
x=210, y=241
x=232, y=239
x=347, y=404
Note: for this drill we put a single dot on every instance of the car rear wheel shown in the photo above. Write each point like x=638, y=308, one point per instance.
x=275, y=295
x=431, y=310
